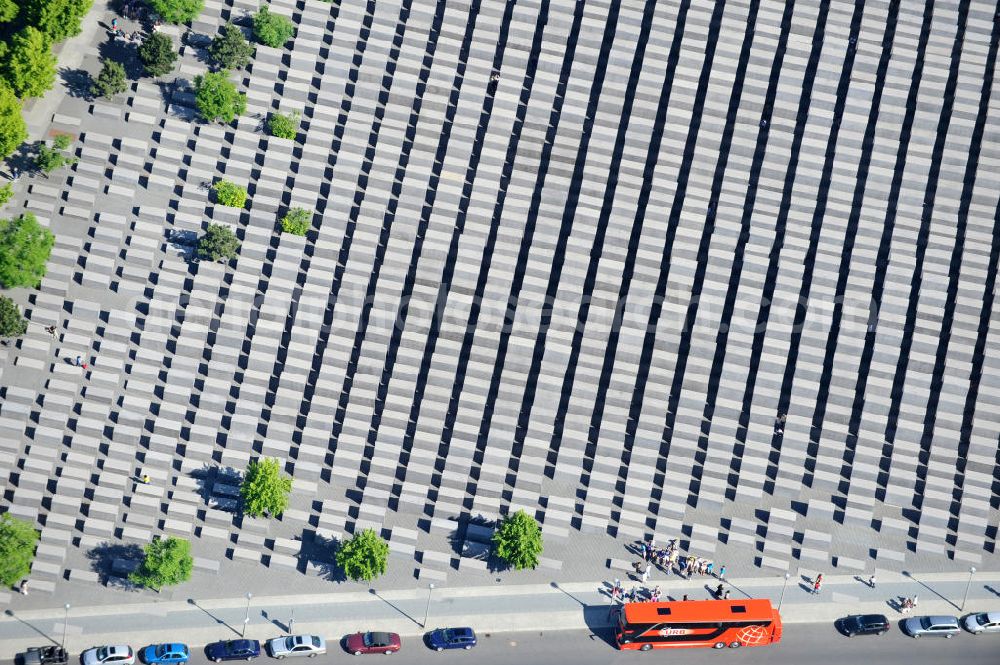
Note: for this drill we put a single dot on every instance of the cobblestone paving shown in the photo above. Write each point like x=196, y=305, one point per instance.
x=717, y=271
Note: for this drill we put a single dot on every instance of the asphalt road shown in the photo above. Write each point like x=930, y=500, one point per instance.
x=802, y=644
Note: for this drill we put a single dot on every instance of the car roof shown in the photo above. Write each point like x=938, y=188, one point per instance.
x=873, y=618
x=992, y=616
x=118, y=648
x=381, y=636
x=940, y=618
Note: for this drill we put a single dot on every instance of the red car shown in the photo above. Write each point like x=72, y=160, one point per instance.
x=373, y=642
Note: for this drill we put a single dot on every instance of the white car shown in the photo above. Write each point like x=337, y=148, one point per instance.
x=986, y=622
x=118, y=654
x=296, y=645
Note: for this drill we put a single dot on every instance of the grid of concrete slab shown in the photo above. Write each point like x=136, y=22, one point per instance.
x=721, y=272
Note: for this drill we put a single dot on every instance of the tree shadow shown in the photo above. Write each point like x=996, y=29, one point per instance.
x=321, y=552
x=77, y=83
x=125, y=53
x=103, y=557
x=209, y=474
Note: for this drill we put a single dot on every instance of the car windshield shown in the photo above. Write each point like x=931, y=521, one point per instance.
x=449, y=635
x=102, y=653
x=367, y=639
x=289, y=642
x=925, y=623
x=982, y=619
x=161, y=650
x=315, y=641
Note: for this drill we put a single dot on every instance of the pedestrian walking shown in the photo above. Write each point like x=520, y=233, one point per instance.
x=708, y=567
x=15, y=173
x=725, y=596
x=718, y=591
x=645, y=573
x=685, y=597
x=78, y=361
x=871, y=581
x=722, y=572
x=24, y=588
x=816, y=586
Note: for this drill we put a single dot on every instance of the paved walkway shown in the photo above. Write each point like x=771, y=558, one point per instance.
x=489, y=609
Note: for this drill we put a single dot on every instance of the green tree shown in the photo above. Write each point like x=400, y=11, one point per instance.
x=8, y=10
x=217, y=97
x=13, y=131
x=364, y=556
x=229, y=194
x=297, y=221
x=218, y=244
x=50, y=159
x=157, y=54
x=283, y=126
x=17, y=548
x=58, y=19
x=12, y=324
x=25, y=246
x=111, y=81
x=168, y=562
x=231, y=49
x=177, y=11
x=518, y=541
x=265, y=488
x=6, y=193
x=30, y=67
x=272, y=29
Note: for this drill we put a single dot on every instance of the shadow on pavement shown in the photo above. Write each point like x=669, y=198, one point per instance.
x=11, y=614
x=600, y=620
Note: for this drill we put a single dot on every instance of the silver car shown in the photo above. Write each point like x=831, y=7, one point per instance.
x=940, y=626
x=296, y=645
x=985, y=622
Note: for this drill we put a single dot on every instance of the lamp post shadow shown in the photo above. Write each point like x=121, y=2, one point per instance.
x=192, y=601
x=376, y=594
x=11, y=614
x=907, y=573
x=555, y=585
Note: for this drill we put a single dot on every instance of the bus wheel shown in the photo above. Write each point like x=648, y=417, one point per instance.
x=735, y=645
x=719, y=645
x=646, y=647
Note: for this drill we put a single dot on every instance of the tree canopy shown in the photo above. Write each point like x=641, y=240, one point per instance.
x=177, y=11
x=229, y=194
x=518, y=541
x=230, y=48
x=297, y=221
x=157, y=54
x=50, y=159
x=8, y=10
x=265, y=488
x=13, y=131
x=217, y=97
x=218, y=244
x=364, y=556
x=25, y=246
x=272, y=29
x=12, y=324
x=30, y=66
x=111, y=81
x=6, y=193
x=58, y=19
x=17, y=548
x=283, y=126
x=168, y=562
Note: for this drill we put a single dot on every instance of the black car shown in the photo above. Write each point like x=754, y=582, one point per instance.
x=47, y=655
x=864, y=624
x=233, y=650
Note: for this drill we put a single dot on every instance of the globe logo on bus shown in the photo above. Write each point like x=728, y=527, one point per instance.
x=753, y=635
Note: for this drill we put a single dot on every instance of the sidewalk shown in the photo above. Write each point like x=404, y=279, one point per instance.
x=580, y=605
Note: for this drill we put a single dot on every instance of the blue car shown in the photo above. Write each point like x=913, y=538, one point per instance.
x=451, y=638
x=165, y=654
x=233, y=650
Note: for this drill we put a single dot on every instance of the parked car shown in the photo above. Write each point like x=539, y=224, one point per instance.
x=984, y=622
x=118, y=654
x=233, y=650
x=373, y=642
x=297, y=645
x=940, y=626
x=47, y=655
x=165, y=654
x=451, y=638
x=864, y=624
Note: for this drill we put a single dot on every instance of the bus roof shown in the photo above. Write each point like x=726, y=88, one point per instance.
x=688, y=611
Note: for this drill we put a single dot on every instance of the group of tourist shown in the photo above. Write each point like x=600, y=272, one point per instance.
x=669, y=558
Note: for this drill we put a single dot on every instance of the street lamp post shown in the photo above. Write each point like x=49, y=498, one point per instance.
x=291, y=622
x=243, y=633
x=783, y=585
x=972, y=571
x=427, y=608
x=65, y=622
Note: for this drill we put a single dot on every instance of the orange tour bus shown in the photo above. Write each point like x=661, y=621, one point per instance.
x=697, y=623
